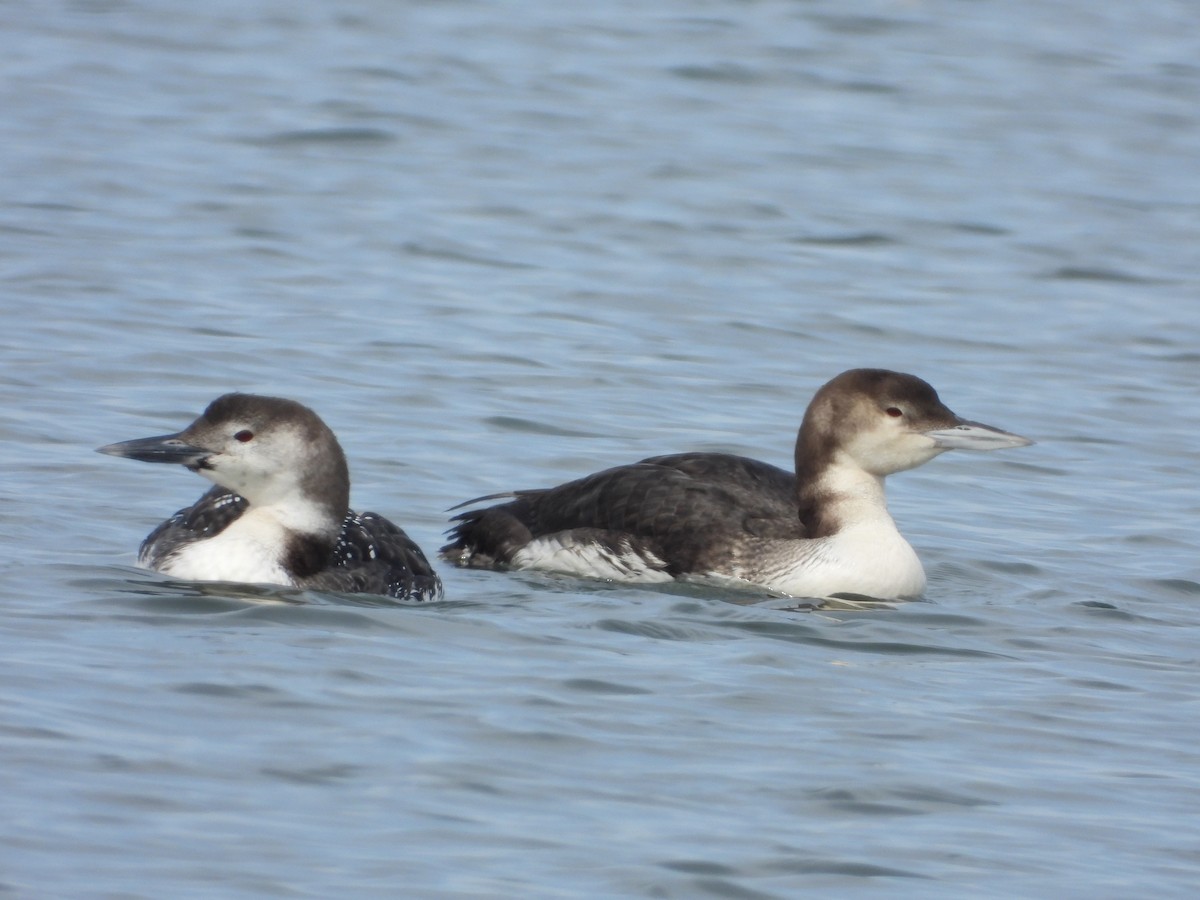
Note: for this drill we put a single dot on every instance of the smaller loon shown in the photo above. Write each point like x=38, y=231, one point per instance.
x=280, y=512
x=822, y=530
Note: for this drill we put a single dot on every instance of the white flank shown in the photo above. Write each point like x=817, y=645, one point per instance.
x=556, y=553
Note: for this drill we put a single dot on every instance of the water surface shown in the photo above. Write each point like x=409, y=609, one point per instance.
x=500, y=247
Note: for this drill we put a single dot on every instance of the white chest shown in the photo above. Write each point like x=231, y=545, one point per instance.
x=250, y=550
x=872, y=559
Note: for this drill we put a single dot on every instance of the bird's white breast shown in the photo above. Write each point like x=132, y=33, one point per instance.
x=250, y=550
x=870, y=558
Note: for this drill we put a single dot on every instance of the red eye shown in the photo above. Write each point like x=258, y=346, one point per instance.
x=894, y=412
x=244, y=436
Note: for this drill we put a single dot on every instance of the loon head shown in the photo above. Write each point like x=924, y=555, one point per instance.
x=884, y=422
x=270, y=450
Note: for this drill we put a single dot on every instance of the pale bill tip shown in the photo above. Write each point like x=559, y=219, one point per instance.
x=976, y=436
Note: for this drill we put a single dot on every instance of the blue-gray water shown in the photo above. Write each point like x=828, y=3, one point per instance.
x=502, y=245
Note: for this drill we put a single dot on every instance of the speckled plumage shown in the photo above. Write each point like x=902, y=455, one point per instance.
x=280, y=511
x=371, y=555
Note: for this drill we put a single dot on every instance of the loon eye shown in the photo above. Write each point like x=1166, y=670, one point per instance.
x=894, y=411
x=244, y=436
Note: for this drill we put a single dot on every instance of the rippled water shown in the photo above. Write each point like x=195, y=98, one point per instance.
x=500, y=246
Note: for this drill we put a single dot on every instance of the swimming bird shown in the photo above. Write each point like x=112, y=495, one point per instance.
x=280, y=511
x=822, y=530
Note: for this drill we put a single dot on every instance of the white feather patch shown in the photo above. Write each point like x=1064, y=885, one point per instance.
x=250, y=550
x=559, y=553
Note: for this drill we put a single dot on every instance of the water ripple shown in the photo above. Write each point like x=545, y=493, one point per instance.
x=350, y=136
x=504, y=245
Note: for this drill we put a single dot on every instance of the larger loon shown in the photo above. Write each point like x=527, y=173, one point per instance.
x=280, y=512
x=821, y=531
